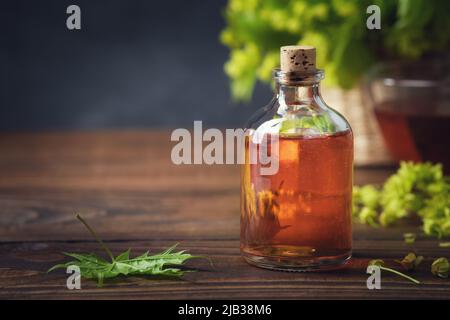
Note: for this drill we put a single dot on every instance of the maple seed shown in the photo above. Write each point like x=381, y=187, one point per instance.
x=410, y=261
x=440, y=267
x=380, y=264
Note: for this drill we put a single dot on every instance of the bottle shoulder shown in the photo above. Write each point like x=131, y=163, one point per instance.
x=311, y=118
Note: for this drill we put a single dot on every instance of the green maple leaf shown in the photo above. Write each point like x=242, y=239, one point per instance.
x=94, y=267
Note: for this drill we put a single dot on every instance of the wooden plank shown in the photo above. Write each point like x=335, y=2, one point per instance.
x=125, y=185
x=120, y=181
x=229, y=277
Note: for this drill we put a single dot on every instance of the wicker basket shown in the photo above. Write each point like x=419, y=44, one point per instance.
x=369, y=145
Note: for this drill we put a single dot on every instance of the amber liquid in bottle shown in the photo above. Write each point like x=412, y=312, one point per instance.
x=298, y=217
x=304, y=210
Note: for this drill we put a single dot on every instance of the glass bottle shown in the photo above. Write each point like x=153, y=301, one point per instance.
x=298, y=217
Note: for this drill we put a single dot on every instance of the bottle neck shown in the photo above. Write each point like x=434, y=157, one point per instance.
x=295, y=95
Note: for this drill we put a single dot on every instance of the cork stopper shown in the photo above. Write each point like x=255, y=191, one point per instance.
x=298, y=59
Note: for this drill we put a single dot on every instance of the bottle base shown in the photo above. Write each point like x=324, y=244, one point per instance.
x=297, y=262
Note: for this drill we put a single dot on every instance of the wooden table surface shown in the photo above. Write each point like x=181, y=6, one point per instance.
x=125, y=185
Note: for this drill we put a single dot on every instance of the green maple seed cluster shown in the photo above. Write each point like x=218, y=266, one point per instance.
x=416, y=188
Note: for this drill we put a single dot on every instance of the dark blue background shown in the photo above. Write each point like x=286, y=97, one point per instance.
x=135, y=63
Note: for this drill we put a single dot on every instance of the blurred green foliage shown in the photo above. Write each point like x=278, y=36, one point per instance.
x=345, y=47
